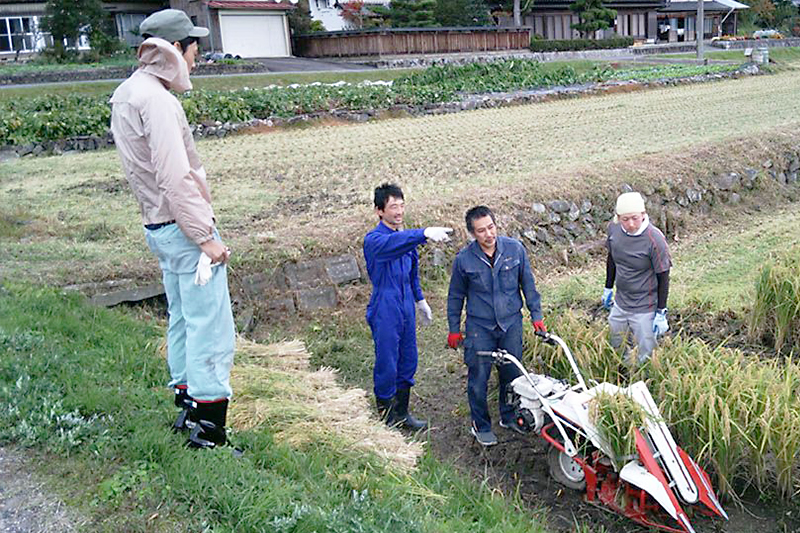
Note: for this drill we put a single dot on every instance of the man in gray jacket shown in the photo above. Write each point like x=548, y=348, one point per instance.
x=490, y=273
x=161, y=164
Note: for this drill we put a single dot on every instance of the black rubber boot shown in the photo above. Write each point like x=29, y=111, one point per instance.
x=209, y=431
x=184, y=402
x=405, y=418
x=386, y=410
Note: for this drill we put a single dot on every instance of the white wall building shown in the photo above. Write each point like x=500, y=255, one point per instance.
x=329, y=13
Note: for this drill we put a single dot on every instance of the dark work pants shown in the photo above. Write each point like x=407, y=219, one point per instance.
x=480, y=368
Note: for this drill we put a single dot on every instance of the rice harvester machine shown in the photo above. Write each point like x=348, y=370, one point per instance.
x=652, y=487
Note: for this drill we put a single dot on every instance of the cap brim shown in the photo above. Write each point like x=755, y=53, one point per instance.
x=198, y=31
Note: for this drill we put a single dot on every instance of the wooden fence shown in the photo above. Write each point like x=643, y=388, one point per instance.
x=398, y=41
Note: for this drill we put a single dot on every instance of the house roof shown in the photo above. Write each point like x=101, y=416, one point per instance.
x=128, y=2
x=250, y=4
x=614, y=4
x=708, y=5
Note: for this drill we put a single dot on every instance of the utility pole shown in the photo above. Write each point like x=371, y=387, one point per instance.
x=700, y=28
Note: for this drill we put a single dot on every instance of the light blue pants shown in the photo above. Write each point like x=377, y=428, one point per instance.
x=201, y=333
x=640, y=324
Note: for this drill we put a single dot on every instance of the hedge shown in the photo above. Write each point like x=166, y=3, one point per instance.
x=538, y=45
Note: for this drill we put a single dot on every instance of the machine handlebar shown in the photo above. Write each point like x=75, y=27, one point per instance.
x=546, y=337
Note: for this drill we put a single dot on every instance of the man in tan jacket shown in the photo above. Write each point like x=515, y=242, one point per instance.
x=161, y=163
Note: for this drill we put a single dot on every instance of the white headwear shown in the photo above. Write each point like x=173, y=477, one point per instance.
x=630, y=202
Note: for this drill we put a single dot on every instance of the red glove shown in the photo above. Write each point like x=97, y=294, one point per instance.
x=538, y=325
x=454, y=340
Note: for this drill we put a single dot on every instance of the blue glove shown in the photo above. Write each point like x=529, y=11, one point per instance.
x=608, y=298
x=660, y=325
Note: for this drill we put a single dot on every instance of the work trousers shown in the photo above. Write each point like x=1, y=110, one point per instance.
x=201, y=332
x=622, y=322
x=395, y=335
x=480, y=339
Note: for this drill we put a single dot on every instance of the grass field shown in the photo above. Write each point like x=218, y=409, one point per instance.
x=306, y=191
x=88, y=402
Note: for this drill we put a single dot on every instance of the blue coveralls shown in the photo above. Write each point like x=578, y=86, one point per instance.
x=494, y=318
x=392, y=264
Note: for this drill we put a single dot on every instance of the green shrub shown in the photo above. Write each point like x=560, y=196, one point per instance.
x=580, y=44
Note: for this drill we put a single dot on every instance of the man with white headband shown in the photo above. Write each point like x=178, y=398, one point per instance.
x=638, y=262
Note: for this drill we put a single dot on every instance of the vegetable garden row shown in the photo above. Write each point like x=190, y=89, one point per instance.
x=56, y=117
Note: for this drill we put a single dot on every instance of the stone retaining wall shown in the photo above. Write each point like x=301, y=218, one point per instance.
x=563, y=230
x=757, y=43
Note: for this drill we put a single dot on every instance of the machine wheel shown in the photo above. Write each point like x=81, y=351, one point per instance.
x=565, y=470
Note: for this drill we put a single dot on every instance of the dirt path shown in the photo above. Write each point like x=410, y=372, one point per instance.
x=26, y=504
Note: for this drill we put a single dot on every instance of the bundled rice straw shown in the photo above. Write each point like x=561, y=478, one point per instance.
x=273, y=384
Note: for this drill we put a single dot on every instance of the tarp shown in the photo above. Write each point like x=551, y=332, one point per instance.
x=733, y=4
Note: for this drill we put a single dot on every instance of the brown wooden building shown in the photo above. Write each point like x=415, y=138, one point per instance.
x=552, y=19
x=645, y=20
x=677, y=21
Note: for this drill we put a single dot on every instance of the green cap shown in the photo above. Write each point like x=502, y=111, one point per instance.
x=171, y=25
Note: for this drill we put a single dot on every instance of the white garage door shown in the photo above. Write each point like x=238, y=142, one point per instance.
x=253, y=35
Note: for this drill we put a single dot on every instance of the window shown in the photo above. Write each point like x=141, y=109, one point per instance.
x=5, y=41
x=19, y=34
x=128, y=27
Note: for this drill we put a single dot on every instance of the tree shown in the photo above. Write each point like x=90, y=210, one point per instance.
x=68, y=20
x=592, y=16
x=353, y=13
x=462, y=13
x=763, y=12
x=300, y=21
x=408, y=13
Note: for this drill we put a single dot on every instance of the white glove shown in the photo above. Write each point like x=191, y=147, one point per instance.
x=608, y=298
x=203, y=273
x=660, y=324
x=425, y=309
x=438, y=234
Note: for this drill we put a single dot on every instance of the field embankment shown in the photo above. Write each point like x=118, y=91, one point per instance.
x=306, y=192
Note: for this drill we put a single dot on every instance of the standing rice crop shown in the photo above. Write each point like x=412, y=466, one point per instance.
x=589, y=345
x=776, y=310
x=731, y=411
x=617, y=417
x=736, y=412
